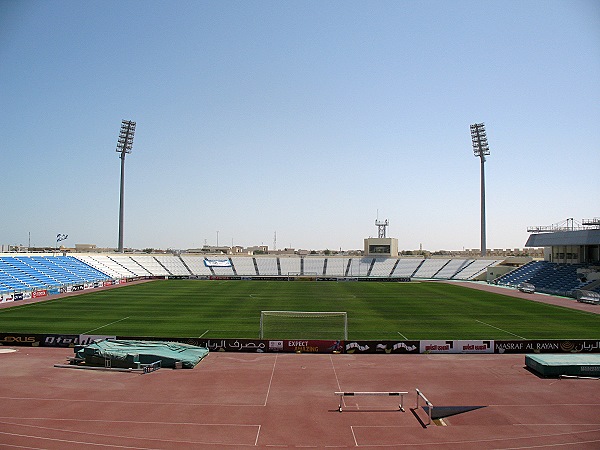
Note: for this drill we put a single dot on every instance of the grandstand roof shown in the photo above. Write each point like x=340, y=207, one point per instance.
x=580, y=237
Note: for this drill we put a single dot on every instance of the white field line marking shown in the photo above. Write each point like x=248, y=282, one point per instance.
x=257, y=434
x=132, y=402
x=203, y=334
x=405, y=338
x=546, y=405
x=28, y=436
x=128, y=421
x=354, y=435
x=87, y=433
x=335, y=373
x=337, y=381
x=520, y=337
x=554, y=424
x=270, y=381
x=479, y=441
x=116, y=321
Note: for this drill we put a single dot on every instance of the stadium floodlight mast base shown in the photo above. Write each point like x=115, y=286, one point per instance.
x=124, y=146
x=481, y=149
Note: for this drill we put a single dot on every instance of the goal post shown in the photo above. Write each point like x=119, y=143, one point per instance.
x=304, y=325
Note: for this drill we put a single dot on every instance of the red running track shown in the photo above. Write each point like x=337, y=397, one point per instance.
x=287, y=401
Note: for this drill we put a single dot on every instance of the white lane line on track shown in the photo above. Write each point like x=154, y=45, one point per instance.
x=270, y=381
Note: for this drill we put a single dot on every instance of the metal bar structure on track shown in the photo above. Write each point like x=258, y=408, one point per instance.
x=386, y=393
x=427, y=402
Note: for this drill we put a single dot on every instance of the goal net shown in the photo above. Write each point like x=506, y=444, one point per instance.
x=303, y=325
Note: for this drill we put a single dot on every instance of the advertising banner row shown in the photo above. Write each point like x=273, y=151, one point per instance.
x=41, y=293
x=325, y=346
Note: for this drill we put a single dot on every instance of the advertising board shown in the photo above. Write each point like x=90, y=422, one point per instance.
x=20, y=339
x=548, y=346
x=312, y=346
x=457, y=346
x=381, y=347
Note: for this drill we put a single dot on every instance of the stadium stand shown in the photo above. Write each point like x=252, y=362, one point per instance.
x=151, y=265
x=96, y=264
x=29, y=275
x=406, y=268
x=475, y=268
x=131, y=265
x=15, y=278
x=359, y=267
x=451, y=268
x=314, y=265
x=558, y=278
x=289, y=265
x=522, y=274
x=336, y=267
x=196, y=265
x=547, y=277
x=31, y=272
x=26, y=273
x=382, y=267
x=67, y=270
x=174, y=265
x=108, y=266
x=267, y=266
x=244, y=266
x=227, y=271
x=430, y=267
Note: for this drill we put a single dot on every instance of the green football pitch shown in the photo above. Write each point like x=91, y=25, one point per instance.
x=231, y=309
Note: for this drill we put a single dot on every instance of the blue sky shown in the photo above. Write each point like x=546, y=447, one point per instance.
x=302, y=118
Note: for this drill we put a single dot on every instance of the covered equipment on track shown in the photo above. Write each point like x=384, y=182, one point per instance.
x=137, y=354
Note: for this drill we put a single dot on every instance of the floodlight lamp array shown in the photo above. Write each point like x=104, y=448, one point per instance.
x=479, y=139
x=125, y=142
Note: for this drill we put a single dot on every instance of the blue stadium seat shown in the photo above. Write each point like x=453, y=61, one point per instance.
x=23, y=273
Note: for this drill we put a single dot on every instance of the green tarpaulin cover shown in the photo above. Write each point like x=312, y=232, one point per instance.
x=132, y=354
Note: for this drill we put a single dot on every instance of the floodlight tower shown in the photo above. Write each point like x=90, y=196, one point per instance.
x=481, y=149
x=124, y=146
x=381, y=228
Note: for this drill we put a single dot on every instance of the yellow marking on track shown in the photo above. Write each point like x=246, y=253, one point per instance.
x=440, y=422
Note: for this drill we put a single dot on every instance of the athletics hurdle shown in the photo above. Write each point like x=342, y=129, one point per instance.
x=428, y=403
x=390, y=394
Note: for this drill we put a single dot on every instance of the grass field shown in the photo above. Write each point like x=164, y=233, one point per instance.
x=231, y=309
